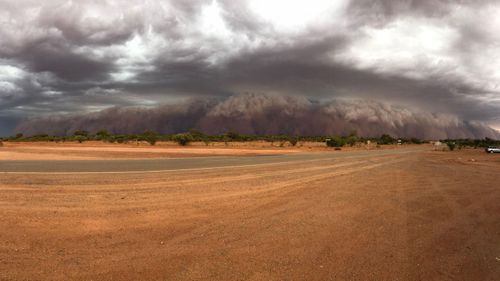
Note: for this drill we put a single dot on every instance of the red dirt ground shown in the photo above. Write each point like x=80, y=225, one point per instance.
x=412, y=216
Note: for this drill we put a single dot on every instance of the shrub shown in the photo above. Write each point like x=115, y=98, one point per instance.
x=40, y=137
x=150, y=136
x=415, y=141
x=386, y=139
x=351, y=140
x=335, y=142
x=102, y=135
x=80, y=139
x=182, y=139
x=294, y=141
x=121, y=139
x=232, y=135
x=451, y=145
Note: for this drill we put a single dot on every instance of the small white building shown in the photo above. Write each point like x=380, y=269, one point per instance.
x=438, y=145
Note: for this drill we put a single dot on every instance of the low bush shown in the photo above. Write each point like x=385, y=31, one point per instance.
x=233, y=136
x=335, y=142
x=182, y=139
x=150, y=136
x=386, y=139
x=293, y=141
x=451, y=145
x=80, y=139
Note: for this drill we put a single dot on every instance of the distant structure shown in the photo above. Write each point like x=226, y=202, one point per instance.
x=437, y=145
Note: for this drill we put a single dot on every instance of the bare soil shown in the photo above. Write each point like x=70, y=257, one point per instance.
x=92, y=150
x=426, y=215
x=99, y=150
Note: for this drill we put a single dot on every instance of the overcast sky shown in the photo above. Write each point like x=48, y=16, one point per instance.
x=77, y=56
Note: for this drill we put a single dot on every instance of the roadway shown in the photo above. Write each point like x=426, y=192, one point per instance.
x=168, y=164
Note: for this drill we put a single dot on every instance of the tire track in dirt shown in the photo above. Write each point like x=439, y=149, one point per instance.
x=364, y=218
x=122, y=167
x=173, y=187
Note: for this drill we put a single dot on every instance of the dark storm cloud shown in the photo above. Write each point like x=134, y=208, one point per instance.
x=86, y=56
x=263, y=115
x=64, y=63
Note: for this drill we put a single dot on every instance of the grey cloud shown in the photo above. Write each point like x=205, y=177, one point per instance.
x=264, y=114
x=188, y=63
x=7, y=125
x=64, y=63
x=380, y=12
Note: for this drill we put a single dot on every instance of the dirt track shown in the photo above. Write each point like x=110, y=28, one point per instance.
x=402, y=216
x=175, y=164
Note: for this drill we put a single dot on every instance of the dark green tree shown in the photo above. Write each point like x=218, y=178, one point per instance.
x=80, y=139
x=232, y=135
x=386, y=139
x=335, y=142
x=182, y=139
x=451, y=145
x=150, y=136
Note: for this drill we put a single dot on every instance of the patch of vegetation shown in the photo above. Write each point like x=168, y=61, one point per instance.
x=451, y=145
x=183, y=139
x=336, y=142
x=233, y=136
x=150, y=136
x=80, y=139
x=473, y=143
x=195, y=135
x=102, y=135
x=386, y=139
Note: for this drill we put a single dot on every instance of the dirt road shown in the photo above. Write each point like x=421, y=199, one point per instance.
x=175, y=164
x=417, y=215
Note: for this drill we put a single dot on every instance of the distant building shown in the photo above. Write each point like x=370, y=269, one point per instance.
x=437, y=145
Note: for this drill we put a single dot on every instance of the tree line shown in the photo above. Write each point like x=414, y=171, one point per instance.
x=194, y=135
x=473, y=143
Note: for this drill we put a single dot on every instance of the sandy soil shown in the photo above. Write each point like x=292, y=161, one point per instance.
x=93, y=150
x=412, y=216
x=99, y=150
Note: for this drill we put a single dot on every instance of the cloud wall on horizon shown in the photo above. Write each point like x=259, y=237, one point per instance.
x=266, y=115
x=59, y=56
